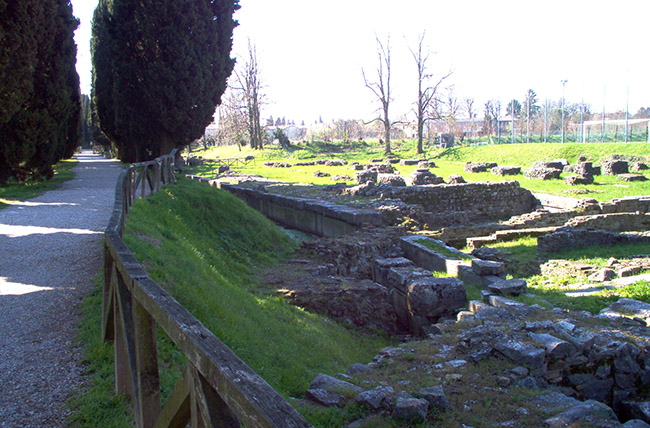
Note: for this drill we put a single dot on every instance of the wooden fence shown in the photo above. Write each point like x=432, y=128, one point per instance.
x=217, y=389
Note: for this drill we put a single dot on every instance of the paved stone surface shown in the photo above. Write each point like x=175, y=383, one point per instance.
x=50, y=251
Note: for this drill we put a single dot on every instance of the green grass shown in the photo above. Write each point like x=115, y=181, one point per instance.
x=441, y=249
x=203, y=245
x=448, y=162
x=16, y=192
x=96, y=405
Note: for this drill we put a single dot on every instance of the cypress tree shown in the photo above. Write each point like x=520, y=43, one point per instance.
x=160, y=69
x=40, y=122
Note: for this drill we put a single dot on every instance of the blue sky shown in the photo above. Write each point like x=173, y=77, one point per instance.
x=311, y=53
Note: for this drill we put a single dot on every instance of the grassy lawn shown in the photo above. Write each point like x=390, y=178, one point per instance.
x=202, y=245
x=16, y=192
x=525, y=264
x=448, y=162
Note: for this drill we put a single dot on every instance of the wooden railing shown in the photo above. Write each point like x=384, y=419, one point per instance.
x=217, y=389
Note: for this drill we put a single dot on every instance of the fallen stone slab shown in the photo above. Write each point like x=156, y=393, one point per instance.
x=555, y=348
x=506, y=170
x=554, y=402
x=522, y=353
x=589, y=412
x=436, y=297
x=410, y=409
x=324, y=398
x=436, y=397
x=508, y=287
x=542, y=173
x=486, y=267
x=332, y=384
x=632, y=177
x=376, y=399
x=632, y=308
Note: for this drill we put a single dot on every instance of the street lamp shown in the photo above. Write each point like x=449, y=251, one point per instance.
x=563, y=83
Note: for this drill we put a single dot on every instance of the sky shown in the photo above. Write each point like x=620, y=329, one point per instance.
x=311, y=54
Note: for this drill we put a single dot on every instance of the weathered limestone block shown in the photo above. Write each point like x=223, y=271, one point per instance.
x=410, y=409
x=411, y=161
x=506, y=170
x=638, y=166
x=479, y=166
x=436, y=297
x=422, y=177
x=382, y=267
x=588, y=412
x=361, y=177
x=376, y=399
x=324, y=398
x=436, y=397
x=632, y=177
x=426, y=164
x=382, y=168
x=332, y=384
x=456, y=179
x=391, y=180
x=555, y=348
x=542, y=173
x=615, y=167
x=508, y=287
x=574, y=180
x=322, y=174
x=519, y=352
x=555, y=164
x=336, y=162
x=486, y=267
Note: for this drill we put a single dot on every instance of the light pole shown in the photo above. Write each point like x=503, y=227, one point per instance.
x=563, y=83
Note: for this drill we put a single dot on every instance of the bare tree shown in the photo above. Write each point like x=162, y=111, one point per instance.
x=493, y=111
x=381, y=89
x=426, y=94
x=250, y=87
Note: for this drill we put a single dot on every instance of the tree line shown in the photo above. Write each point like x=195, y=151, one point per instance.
x=39, y=87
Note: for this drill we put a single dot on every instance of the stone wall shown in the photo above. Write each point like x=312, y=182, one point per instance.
x=451, y=204
x=571, y=237
x=312, y=216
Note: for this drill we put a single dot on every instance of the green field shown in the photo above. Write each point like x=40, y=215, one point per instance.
x=448, y=162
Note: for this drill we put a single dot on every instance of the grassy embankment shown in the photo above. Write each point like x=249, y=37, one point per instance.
x=448, y=161
x=12, y=193
x=203, y=245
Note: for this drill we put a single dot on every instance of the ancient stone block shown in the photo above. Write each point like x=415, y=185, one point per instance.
x=375, y=399
x=542, y=173
x=324, y=398
x=638, y=166
x=486, y=267
x=361, y=177
x=455, y=179
x=615, y=167
x=508, y=287
x=436, y=397
x=588, y=412
x=411, y=161
x=421, y=177
x=555, y=164
x=391, y=180
x=632, y=177
x=410, y=409
x=332, y=384
x=506, y=170
x=522, y=353
x=574, y=180
x=436, y=297
x=555, y=348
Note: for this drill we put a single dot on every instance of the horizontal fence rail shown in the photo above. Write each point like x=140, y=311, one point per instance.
x=217, y=389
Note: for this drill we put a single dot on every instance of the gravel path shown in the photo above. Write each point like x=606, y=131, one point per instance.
x=50, y=251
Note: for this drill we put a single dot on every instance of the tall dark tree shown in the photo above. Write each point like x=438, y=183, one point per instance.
x=160, y=69
x=39, y=120
x=381, y=89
